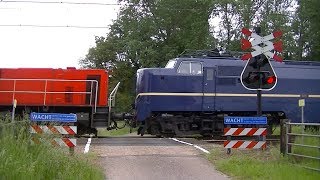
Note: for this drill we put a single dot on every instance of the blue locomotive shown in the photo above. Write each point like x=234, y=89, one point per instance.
x=192, y=94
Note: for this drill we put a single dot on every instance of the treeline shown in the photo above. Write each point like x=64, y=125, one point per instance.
x=149, y=32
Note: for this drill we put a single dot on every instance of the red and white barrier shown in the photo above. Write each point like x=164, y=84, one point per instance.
x=66, y=130
x=67, y=142
x=241, y=144
x=245, y=131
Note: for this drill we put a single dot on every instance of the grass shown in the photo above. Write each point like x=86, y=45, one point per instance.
x=308, y=151
x=256, y=164
x=116, y=132
x=270, y=164
x=20, y=159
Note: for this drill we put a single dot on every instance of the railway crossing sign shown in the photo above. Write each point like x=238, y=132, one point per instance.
x=258, y=73
x=266, y=48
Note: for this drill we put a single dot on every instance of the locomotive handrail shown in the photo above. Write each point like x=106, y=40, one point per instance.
x=45, y=92
x=111, y=101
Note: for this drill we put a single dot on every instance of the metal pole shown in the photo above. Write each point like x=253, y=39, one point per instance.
x=14, y=104
x=259, y=97
x=259, y=110
x=302, y=127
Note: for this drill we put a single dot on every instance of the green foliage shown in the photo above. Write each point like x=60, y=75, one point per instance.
x=20, y=159
x=147, y=34
x=257, y=164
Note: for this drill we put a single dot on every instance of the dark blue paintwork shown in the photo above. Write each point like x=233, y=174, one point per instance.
x=294, y=78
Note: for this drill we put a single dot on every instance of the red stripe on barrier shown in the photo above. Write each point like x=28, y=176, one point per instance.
x=225, y=130
x=54, y=143
x=37, y=129
x=69, y=130
x=238, y=144
x=252, y=144
x=225, y=143
x=238, y=131
x=53, y=129
x=264, y=133
x=264, y=146
x=252, y=131
x=68, y=142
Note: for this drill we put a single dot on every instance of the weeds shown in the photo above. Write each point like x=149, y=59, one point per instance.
x=20, y=159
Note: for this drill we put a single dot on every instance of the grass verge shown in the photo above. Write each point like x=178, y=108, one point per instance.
x=257, y=164
x=20, y=159
x=116, y=132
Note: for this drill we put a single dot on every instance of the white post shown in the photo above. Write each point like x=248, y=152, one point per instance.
x=14, y=105
x=302, y=104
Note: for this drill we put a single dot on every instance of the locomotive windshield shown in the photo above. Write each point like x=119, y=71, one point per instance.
x=171, y=64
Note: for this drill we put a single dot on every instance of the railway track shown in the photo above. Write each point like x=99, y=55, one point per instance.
x=221, y=139
x=214, y=139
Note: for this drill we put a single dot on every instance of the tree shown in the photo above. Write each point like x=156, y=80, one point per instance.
x=148, y=34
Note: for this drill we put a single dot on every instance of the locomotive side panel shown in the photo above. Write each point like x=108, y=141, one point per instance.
x=18, y=84
x=53, y=87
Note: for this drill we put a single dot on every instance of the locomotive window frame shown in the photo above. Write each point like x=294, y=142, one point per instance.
x=171, y=64
x=220, y=73
x=190, y=68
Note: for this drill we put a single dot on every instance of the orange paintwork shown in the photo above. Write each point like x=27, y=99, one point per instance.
x=60, y=97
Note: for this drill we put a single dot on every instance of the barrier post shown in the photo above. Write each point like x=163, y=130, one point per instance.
x=229, y=139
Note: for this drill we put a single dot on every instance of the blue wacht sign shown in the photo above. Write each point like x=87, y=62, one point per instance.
x=245, y=120
x=53, y=117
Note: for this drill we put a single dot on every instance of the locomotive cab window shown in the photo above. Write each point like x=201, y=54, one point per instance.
x=171, y=64
x=187, y=67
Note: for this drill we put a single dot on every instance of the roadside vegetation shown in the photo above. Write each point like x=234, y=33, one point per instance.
x=21, y=159
x=269, y=164
x=116, y=132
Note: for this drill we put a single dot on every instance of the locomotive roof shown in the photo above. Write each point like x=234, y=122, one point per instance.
x=215, y=54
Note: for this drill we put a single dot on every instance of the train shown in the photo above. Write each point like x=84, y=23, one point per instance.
x=193, y=93
x=83, y=92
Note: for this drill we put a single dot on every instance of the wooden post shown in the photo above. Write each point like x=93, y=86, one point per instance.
x=289, y=140
x=283, y=136
x=229, y=139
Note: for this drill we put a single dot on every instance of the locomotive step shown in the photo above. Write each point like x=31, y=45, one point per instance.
x=100, y=120
x=102, y=110
x=100, y=124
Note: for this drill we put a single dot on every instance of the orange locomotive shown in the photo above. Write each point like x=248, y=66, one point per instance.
x=80, y=91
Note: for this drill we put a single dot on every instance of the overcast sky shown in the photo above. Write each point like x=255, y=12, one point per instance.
x=51, y=47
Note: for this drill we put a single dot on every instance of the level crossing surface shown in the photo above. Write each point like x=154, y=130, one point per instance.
x=151, y=158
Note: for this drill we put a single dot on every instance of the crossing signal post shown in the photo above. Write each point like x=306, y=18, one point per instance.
x=258, y=73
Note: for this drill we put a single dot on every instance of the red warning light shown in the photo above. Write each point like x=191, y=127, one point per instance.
x=271, y=79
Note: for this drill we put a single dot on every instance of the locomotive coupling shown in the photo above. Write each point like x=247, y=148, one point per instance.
x=126, y=117
x=122, y=116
